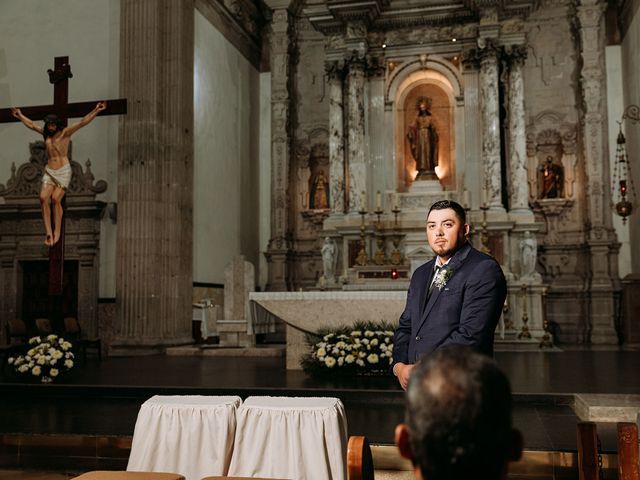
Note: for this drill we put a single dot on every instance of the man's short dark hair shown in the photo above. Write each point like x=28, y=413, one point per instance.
x=458, y=416
x=455, y=206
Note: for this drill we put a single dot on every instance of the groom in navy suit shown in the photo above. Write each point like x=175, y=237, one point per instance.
x=455, y=299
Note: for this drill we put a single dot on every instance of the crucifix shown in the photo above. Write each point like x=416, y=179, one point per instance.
x=64, y=110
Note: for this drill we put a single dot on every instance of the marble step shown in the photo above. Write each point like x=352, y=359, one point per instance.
x=607, y=407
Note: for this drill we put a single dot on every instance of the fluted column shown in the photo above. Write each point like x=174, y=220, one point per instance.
x=490, y=124
x=518, y=181
x=279, y=247
x=356, y=150
x=601, y=238
x=335, y=71
x=155, y=174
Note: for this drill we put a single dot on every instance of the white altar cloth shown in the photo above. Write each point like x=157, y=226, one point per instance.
x=187, y=434
x=290, y=438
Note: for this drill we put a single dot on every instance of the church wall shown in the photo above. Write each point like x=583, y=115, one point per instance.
x=226, y=155
x=631, y=87
x=615, y=106
x=88, y=31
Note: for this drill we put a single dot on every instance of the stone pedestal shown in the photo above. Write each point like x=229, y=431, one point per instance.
x=239, y=280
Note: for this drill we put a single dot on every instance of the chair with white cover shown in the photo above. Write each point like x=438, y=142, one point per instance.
x=188, y=434
x=286, y=437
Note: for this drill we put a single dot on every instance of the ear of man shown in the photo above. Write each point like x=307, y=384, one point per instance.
x=402, y=441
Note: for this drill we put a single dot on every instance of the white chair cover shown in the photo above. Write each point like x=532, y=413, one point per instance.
x=190, y=435
x=290, y=438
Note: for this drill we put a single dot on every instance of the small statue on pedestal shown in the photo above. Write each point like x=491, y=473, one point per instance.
x=552, y=179
x=423, y=140
x=329, y=258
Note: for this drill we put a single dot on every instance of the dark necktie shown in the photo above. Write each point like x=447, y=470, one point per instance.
x=433, y=281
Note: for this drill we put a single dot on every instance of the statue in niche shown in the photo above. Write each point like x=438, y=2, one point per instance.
x=423, y=140
x=552, y=179
x=319, y=192
x=329, y=257
x=528, y=254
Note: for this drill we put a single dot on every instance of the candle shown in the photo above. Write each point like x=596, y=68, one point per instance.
x=485, y=196
x=465, y=198
x=378, y=201
x=362, y=201
x=395, y=201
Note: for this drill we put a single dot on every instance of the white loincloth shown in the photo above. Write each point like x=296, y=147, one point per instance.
x=60, y=177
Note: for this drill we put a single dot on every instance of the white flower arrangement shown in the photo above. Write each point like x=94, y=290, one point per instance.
x=46, y=358
x=365, y=349
x=442, y=277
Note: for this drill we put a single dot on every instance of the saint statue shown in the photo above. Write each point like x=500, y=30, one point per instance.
x=552, y=179
x=423, y=140
x=57, y=173
x=329, y=257
x=528, y=254
x=319, y=192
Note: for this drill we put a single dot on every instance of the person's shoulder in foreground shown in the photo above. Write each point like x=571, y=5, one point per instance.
x=458, y=420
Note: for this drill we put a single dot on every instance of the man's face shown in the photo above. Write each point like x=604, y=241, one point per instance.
x=445, y=232
x=52, y=127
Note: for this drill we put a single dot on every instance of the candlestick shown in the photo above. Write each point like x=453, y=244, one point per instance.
x=465, y=198
x=378, y=200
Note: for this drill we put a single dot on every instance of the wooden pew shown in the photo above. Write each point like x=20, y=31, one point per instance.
x=628, y=451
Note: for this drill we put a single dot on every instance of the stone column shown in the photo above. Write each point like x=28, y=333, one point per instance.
x=279, y=248
x=490, y=124
x=356, y=138
x=472, y=140
x=601, y=237
x=518, y=180
x=155, y=174
x=335, y=71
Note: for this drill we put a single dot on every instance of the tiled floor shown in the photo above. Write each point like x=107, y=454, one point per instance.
x=98, y=403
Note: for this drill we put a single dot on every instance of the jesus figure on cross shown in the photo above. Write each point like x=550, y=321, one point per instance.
x=57, y=173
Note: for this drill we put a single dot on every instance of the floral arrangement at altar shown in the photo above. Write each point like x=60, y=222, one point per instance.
x=46, y=358
x=364, y=348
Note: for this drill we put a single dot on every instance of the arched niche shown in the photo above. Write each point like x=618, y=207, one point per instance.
x=439, y=80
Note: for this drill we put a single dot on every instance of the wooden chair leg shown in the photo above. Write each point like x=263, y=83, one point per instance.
x=628, y=452
x=588, y=468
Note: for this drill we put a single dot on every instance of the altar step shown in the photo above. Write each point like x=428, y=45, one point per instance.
x=204, y=350
x=607, y=408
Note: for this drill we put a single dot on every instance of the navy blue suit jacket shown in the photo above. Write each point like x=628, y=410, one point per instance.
x=465, y=311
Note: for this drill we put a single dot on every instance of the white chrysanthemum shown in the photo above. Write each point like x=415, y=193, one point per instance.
x=57, y=354
x=361, y=354
x=374, y=342
x=41, y=361
x=340, y=361
x=350, y=358
x=321, y=352
x=11, y=360
x=52, y=338
x=34, y=340
x=390, y=360
x=365, y=341
x=54, y=372
x=68, y=363
x=373, y=358
x=66, y=345
x=379, y=332
x=53, y=361
x=340, y=344
x=32, y=351
x=69, y=355
x=387, y=340
x=368, y=333
x=388, y=332
x=23, y=368
x=327, y=337
x=335, y=351
x=36, y=370
x=360, y=363
x=330, y=362
x=357, y=341
x=383, y=347
x=356, y=333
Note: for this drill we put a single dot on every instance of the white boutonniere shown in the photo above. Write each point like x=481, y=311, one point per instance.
x=442, y=277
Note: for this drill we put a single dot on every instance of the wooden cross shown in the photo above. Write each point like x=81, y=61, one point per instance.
x=59, y=77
